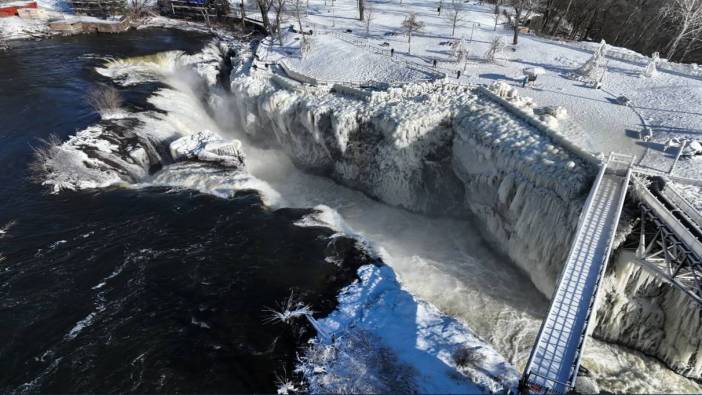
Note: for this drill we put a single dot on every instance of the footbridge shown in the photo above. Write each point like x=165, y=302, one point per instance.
x=669, y=246
x=555, y=359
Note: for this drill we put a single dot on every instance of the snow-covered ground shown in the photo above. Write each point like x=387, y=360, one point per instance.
x=14, y=27
x=668, y=103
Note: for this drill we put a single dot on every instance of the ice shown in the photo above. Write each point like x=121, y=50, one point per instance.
x=208, y=147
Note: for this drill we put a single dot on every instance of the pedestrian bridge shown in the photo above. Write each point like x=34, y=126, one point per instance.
x=555, y=359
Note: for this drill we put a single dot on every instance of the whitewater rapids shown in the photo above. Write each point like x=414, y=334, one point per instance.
x=442, y=261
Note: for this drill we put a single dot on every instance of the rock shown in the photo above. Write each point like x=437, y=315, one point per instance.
x=207, y=146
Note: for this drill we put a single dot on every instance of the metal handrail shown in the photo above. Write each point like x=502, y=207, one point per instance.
x=592, y=305
x=603, y=266
x=581, y=224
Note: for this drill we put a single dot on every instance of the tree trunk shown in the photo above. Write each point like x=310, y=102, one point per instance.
x=299, y=19
x=622, y=28
x=453, y=29
x=277, y=29
x=264, y=18
x=243, y=16
x=360, y=10
x=676, y=41
x=554, y=31
x=517, y=14
x=409, y=42
x=687, y=50
x=547, y=15
x=590, y=24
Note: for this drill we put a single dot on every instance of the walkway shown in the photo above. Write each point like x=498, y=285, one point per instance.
x=555, y=359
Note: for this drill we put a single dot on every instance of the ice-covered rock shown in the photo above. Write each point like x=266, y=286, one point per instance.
x=98, y=156
x=503, y=90
x=435, y=149
x=207, y=146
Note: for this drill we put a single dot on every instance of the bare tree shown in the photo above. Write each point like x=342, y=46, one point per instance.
x=306, y=46
x=496, y=47
x=361, y=8
x=265, y=6
x=455, y=14
x=243, y=16
x=138, y=9
x=497, y=14
x=298, y=12
x=687, y=15
x=370, y=15
x=411, y=25
x=557, y=25
x=279, y=8
x=522, y=11
x=105, y=99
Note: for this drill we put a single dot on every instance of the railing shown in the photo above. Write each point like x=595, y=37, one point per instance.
x=543, y=127
x=558, y=357
x=552, y=306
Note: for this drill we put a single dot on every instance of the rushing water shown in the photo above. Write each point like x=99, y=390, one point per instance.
x=154, y=289
x=138, y=290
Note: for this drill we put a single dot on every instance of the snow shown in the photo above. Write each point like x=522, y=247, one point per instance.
x=14, y=27
x=409, y=330
x=691, y=193
x=209, y=147
x=330, y=56
x=667, y=102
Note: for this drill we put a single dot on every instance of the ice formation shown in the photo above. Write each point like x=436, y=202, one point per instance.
x=127, y=148
x=207, y=146
x=640, y=310
x=436, y=149
x=594, y=68
x=651, y=69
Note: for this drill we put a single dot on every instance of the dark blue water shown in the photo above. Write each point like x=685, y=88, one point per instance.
x=139, y=290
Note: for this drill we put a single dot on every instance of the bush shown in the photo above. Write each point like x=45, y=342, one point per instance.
x=105, y=99
x=465, y=357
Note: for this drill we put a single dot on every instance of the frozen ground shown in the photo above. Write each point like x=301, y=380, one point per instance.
x=668, y=103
